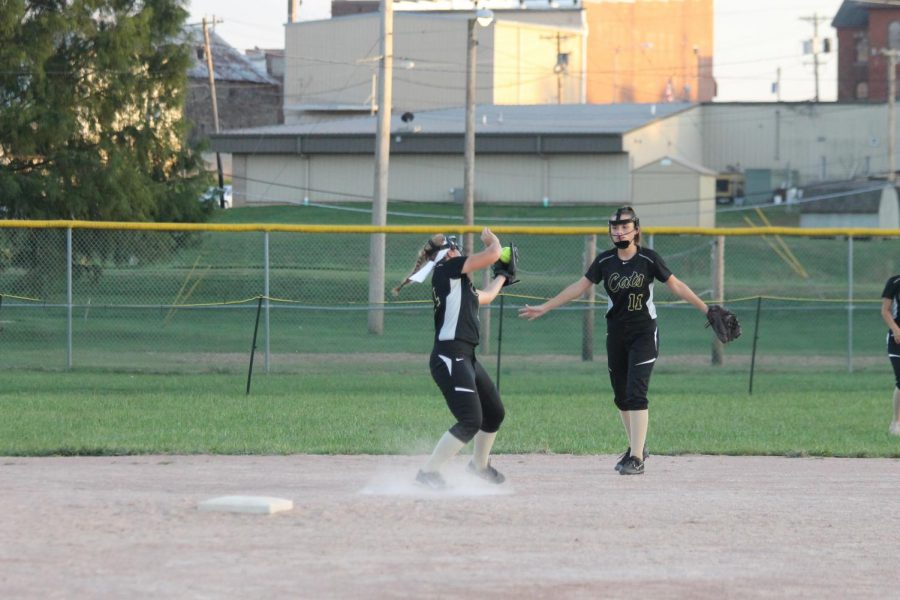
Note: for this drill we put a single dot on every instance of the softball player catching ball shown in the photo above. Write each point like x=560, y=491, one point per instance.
x=472, y=397
x=890, y=312
x=632, y=339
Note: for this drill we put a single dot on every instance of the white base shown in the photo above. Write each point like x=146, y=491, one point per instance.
x=257, y=505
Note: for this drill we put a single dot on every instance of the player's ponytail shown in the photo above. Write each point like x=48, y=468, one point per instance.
x=431, y=247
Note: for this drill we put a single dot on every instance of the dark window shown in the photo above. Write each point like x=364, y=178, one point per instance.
x=862, y=48
x=894, y=35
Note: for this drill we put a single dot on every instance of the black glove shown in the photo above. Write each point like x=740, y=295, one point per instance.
x=724, y=323
x=507, y=269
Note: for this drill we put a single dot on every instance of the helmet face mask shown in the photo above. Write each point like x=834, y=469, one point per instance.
x=449, y=243
x=623, y=217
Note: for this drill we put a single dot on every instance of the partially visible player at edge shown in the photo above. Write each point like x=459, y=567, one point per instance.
x=472, y=397
x=632, y=339
x=890, y=312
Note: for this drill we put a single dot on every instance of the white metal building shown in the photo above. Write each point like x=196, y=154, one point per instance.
x=568, y=154
x=577, y=154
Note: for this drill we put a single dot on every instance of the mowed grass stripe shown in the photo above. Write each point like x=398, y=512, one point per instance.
x=347, y=409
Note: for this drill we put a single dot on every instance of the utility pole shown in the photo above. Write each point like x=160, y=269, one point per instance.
x=892, y=56
x=562, y=62
x=815, y=46
x=483, y=17
x=469, y=137
x=778, y=84
x=293, y=11
x=215, y=106
x=382, y=158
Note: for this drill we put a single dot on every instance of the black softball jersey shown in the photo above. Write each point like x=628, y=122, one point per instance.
x=455, y=303
x=892, y=291
x=629, y=285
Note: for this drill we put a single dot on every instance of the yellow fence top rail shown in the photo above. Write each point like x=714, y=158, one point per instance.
x=429, y=229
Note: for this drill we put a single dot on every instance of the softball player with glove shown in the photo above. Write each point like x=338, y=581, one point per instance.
x=632, y=340
x=890, y=312
x=472, y=397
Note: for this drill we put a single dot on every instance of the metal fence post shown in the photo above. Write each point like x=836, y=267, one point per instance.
x=849, y=303
x=266, y=293
x=69, y=298
x=718, y=291
x=587, y=335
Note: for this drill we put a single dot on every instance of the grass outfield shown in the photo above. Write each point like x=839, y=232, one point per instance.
x=357, y=408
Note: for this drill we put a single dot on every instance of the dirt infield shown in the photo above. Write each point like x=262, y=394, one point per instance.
x=562, y=527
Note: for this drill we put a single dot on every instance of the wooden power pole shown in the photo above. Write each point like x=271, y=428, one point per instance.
x=892, y=56
x=215, y=105
x=382, y=158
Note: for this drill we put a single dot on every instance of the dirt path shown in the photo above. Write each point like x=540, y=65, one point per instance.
x=562, y=527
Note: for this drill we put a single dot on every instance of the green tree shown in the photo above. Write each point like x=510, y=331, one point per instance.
x=91, y=112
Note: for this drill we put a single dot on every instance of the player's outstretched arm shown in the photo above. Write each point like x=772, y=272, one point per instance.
x=681, y=289
x=573, y=291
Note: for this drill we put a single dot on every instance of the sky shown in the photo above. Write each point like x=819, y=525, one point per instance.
x=753, y=38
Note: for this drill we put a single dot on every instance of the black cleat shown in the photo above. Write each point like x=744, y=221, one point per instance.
x=431, y=479
x=632, y=466
x=625, y=456
x=489, y=473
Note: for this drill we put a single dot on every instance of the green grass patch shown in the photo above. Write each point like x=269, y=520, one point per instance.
x=359, y=408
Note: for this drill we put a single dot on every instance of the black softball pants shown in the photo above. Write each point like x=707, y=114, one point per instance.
x=631, y=353
x=470, y=394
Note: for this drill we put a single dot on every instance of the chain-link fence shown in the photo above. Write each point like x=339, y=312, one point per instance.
x=150, y=298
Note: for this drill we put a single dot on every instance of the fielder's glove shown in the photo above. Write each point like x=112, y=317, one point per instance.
x=508, y=268
x=724, y=323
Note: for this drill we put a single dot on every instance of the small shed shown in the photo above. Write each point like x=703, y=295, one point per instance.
x=675, y=192
x=860, y=203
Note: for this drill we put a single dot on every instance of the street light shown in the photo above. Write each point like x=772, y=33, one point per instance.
x=483, y=18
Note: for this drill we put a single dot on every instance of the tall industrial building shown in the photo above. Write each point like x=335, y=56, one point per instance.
x=635, y=50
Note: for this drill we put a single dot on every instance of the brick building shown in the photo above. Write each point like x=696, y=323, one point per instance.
x=650, y=51
x=864, y=29
x=245, y=96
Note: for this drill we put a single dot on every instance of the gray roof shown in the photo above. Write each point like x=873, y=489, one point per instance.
x=495, y=120
x=855, y=13
x=536, y=129
x=228, y=63
x=843, y=197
